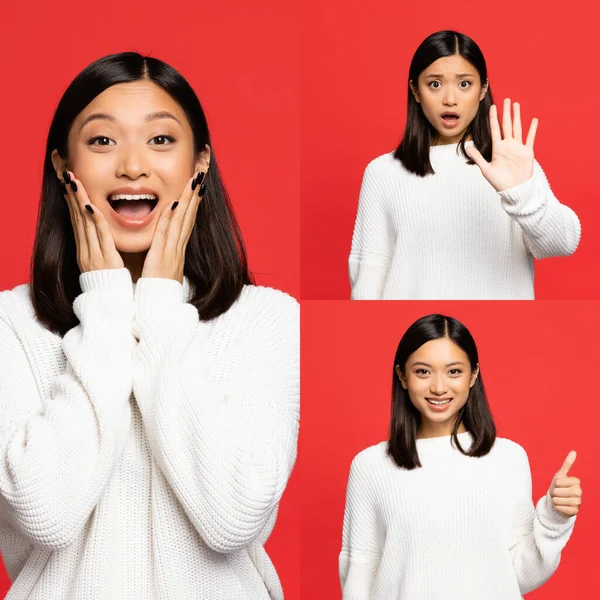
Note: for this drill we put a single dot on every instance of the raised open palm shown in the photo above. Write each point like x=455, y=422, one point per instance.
x=512, y=160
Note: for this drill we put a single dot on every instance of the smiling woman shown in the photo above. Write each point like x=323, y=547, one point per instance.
x=149, y=392
x=444, y=490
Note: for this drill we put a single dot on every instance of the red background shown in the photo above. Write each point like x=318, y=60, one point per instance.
x=354, y=69
x=539, y=363
x=242, y=60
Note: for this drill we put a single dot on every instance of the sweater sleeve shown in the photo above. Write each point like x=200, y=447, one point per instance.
x=57, y=453
x=549, y=227
x=373, y=239
x=226, y=453
x=361, y=537
x=539, y=534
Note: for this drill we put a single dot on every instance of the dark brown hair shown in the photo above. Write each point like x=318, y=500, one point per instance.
x=215, y=260
x=475, y=415
x=413, y=151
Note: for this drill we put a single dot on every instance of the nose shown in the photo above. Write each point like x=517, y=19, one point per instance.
x=449, y=97
x=438, y=385
x=132, y=162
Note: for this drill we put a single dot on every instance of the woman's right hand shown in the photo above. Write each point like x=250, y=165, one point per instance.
x=95, y=244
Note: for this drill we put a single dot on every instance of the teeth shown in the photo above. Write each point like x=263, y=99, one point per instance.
x=133, y=197
x=439, y=402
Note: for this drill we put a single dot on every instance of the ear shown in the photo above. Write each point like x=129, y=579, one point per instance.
x=202, y=160
x=414, y=92
x=474, y=376
x=401, y=377
x=59, y=164
x=484, y=90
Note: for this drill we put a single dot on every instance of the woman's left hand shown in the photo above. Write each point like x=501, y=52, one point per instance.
x=566, y=491
x=512, y=161
x=166, y=256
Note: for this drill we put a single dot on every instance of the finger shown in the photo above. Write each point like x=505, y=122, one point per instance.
x=494, y=125
x=507, y=120
x=531, y=134
x=88, y=220
x=568, y=511
x=78, y=220
x=569, y=462
x=192, y=211
x=517, y=128
x=104, y=232
x=566, y=482
x=570, y=492
x=571, y=501
x=477, y=158
x=179, y=216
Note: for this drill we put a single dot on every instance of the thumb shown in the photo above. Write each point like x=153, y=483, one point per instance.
x=569, y=462
x=477, y=158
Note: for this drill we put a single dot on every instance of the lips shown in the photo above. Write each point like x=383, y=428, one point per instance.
x=439, y=401
x=450, y=116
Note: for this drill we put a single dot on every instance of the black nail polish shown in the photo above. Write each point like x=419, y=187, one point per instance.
x=175, y=205
x=194, y=184
x=73, y=186
x=63, y=187
x=89, y=209
x=66, y=177
x=202, y=190
x=200, y=178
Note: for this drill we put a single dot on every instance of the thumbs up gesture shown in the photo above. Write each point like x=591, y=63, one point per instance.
x=566, y=491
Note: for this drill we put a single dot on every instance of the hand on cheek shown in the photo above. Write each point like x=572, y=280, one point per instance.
x=166, y=256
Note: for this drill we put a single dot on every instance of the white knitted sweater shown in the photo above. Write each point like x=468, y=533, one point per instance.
x=143, y=456
x=458, y=528
x=451, y=235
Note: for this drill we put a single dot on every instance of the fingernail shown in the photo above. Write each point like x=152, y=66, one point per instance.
x=195, y=182
x=73, y=186
x=202, y=190
x=200, y=178
x=174, y=206
x=63, y=188
x=89, y=209
x=66, y=177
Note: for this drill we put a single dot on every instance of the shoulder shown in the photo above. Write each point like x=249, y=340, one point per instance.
x=15, y=304
x=260, y=313
x=511, y=451
x=370, y=458
x=385, y=164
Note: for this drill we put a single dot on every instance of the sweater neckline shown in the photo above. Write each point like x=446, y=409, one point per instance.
x=449, y=147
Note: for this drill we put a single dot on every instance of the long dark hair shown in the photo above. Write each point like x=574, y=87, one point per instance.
x=475, y=415
x=215, y=259
x=413, y=151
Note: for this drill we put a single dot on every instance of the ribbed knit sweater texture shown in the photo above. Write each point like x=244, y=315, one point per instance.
x=458, y=528
x=143, y=455
x=450, y=235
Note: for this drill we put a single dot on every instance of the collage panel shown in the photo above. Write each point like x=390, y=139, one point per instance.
x=394, y=104
x=397, y=509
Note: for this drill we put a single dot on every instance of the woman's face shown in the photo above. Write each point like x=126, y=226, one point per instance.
x=449, y=91
x=438, y=378
x=132, y=138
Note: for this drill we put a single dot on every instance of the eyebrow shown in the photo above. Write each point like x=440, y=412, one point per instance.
x=441, y=76
x=161, y=114
x=424, y=364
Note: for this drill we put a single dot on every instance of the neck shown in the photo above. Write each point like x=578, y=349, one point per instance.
x=429, y=429
x=134, y=262
x=446, y=141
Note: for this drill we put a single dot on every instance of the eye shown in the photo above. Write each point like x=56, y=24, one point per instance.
x=163, y=137
x=455, y=371
x=435, y=85
x=466, y=86
x=421, y=371
x=99, y=137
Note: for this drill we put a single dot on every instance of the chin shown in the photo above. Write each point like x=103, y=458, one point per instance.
x=133, y=246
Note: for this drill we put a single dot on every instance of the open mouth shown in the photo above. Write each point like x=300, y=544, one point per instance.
x=450, y=118
x=133, y=206
x=442, y=402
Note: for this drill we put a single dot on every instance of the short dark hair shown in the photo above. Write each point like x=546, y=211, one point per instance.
x=406, y=419
x=215, y=260
x=413, y=151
